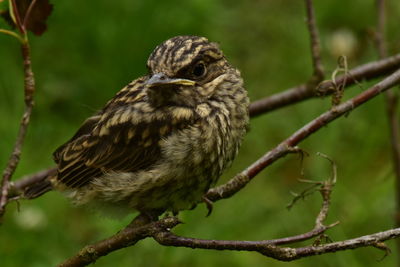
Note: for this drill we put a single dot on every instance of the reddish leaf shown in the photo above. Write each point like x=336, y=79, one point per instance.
x=34, y=19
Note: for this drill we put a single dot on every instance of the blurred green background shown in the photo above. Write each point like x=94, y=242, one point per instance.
x=91, y=50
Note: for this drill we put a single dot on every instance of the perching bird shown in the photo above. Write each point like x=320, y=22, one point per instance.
x=163, y=140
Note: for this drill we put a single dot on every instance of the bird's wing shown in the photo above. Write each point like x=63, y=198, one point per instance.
x=123, y=137
x=85, y=129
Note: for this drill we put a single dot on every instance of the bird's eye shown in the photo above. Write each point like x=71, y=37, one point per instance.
x=199, y=70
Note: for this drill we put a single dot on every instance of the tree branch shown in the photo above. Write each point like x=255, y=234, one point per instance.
x=318, y=74
x=270, y=250
x=303, y=92
x=29, y=85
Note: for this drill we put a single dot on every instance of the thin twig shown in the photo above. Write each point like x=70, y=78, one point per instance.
x=318, y=74
x=391, y=104
x=29, y=85
x=240, y=180
x=302, y=92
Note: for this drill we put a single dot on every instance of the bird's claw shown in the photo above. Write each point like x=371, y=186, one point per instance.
x=209, y=205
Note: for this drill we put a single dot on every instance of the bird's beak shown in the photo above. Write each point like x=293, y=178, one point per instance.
x=160, y=79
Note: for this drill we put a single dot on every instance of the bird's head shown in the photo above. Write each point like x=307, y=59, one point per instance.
x=188, y=70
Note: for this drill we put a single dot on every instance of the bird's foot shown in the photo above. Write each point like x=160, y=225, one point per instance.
x=209, y=205
x=152, y=215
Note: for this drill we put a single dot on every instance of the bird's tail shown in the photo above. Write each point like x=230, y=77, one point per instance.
x=41, y=185
x=37, y=189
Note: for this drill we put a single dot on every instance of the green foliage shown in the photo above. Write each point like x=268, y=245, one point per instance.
x=91, y=51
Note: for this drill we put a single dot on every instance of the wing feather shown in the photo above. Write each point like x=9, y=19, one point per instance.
x=120, y=138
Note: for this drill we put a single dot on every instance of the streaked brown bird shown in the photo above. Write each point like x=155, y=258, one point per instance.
x=163, y=140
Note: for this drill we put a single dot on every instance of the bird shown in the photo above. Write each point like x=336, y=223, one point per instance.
x=163, y=140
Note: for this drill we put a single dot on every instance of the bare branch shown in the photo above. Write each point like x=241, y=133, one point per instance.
x=302, y=92
x=318, y=74
x=13, y=161
x=271, y=250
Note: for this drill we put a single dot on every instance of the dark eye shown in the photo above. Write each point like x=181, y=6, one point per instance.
x=199, y=70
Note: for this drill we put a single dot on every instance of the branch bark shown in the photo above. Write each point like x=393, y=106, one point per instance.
x=29, y=86
x=303, y=92
x=270, y=250
x=318, y=74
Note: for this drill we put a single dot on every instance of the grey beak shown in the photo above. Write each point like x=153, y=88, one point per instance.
x=162, y=79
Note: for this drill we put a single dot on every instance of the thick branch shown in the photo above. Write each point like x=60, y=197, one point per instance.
x=13, y=161
x=302, y=92
x=287, y=146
